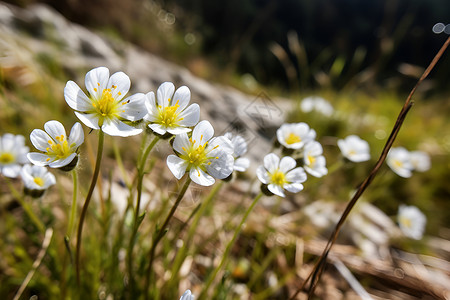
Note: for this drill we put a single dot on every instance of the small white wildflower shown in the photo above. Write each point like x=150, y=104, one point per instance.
x=420, y=161
x=187, y=296
x=13, y=154
x=399, y=160
x=36, y=179
x=411, y=221
x=203, y=156
x=60, y=150
x=106, y=107
x=280, y=175
x=314, y=161
x=295, y=135
x=318, y=104
x=354, y=148
x=239, y=148
x=169, y=112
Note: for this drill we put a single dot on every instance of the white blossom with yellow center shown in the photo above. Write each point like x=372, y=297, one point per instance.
x=354, y=148
x=13, y=154
x=295, y=136
x=411, y=221
x=106, y=107
x=58, y=149
x=36, y=177
x=314, y=161
x=204, y=157
x=280, y=175
x=169, y=111
x=399, y=160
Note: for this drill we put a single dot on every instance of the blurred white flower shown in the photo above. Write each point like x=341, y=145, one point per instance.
x=399, y=160
x=59, y=150
x=13, y=154
x=106, y=107
x=280, y=175
x=36, y=180
x=318, y=104
x=204, y=157
x=187, y=296
x=314, y=161
x=240, y=148
x=295, y=135
x=169, y=112
x=354, y=148
x=420, y=161
x=411, y=221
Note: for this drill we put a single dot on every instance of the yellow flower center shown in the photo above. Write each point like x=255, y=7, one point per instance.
x=406, y=222
x=107, y=106
x=311, y=160
x=197, y=156
x=61, y=149
x=6, y=158
x=398, y=163
x=278, y=178
x=292, y=139
x=168, y=116
x=39, y=181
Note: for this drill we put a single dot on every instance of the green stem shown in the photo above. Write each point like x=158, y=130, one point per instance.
x=73, y=209
x=141, y=173
x=101, y=138
x=161, y=231
x=225, y=255
x=25, y=206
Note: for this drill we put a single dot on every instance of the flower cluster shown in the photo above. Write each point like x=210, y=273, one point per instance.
x=404, y=162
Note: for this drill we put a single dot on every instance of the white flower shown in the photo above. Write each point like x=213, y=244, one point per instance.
x=318, y=104
x=399, y=160
x=420, y=161
x=106, y=107
x=314, y=161
x=296, y=135
x=204, y=157
x=13, y=154
x=281, y=174
x=187, y=296
x=59, y=150
x=169, y=112
x=354, y=148
x=239, y=148
x=411, y=221
x=36, y=177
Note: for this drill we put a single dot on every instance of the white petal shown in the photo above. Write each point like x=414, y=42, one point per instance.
x=293, y=187
x=222, y=166
x=38, y=159
x=178, y=130
x=62, y=162
x=90, y=120
x=177, y=166
x=135, y=109
x=181, y=141
x=76, y=135
x=276, y=189
x=76, y=98
x=287, y=163
x=241, y=164
x=164, y=93
x=200, y=177
x=271, y=162
x=118, y=128
x=182, y=97
x=39, y=138
x=159, y=129
x=96, y=80
x=202, y=132
x=296, y=175
x=262, y=174
x=190, y=115
x=11, y=171
x=240, y=146
x=49, y=180
x=122, y=83
x=150, y=105
x=219, y=144
x=55, y=129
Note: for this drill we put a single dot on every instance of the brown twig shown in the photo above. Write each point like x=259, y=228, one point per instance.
x=317, y=271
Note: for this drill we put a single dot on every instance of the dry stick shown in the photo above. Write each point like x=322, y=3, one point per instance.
x=317, y=271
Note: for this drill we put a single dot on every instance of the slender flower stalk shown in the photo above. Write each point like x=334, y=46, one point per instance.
x=101, y=138
x=226, y=254
x=161, y=231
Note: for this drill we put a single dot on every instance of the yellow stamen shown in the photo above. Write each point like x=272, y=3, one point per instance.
x=39, y=181
x=6, y=158
x=278, y=178
x=292, y=139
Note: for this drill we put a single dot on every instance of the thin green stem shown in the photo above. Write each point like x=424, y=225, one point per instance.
x=73, y=209
x=225, y=255
x=141, y=173
x=160, y=232
x=101, y=138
